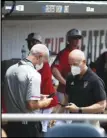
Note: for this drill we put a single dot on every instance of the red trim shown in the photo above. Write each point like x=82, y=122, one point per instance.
x=35, y=97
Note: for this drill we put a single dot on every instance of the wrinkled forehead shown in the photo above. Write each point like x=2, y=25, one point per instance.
x=74, y=59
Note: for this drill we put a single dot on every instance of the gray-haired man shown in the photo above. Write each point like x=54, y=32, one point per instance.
x=22, y=93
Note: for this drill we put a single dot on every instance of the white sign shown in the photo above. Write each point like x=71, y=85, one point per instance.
x=89, y=9
x=66, y=9
x=57, y=9
x=20, y=8
x=8, y=7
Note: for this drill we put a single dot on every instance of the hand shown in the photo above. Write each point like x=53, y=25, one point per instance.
x=72, y=108
x=47, y=101
x=52, y=123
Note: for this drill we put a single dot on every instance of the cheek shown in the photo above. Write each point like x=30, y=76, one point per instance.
x=77, y=42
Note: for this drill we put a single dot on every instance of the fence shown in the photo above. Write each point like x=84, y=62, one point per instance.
x=35, y=117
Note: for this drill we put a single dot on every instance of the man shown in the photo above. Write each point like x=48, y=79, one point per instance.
x=22, y=94
x=61, y=67
x=47, y=87
x=85, y=90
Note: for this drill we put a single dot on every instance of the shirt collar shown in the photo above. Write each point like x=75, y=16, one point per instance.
x=26, y=62
x=85, y=76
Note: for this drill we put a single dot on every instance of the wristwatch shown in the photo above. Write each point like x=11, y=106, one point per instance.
x=80, y=110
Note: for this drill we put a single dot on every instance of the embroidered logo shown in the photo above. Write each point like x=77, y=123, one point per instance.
x=72, y=83
x=85, y=84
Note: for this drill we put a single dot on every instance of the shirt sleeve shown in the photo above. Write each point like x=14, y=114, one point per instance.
x=57, y=63
x=33, y=89
x=99, y=90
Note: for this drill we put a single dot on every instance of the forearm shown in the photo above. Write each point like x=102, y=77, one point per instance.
x=34, y=105
x=41, y=104
x=58, y=76
x=95, y=108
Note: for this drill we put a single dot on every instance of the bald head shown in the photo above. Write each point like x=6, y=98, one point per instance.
x=77, y=61
x=77, y=56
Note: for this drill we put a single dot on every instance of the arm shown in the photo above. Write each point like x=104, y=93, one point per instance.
x=58, y=75
x=95, y=108
x=35, y=104
x=56, y=70
x=100, y=100
x=61, y=109
x=33, y=97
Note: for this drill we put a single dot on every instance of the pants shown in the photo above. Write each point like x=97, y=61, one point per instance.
x=60, y=96
x=45, y=122
x=19, y=129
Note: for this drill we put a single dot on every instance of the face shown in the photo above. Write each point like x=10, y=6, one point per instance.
x=74, y=43
x=40, y=60
x=77, y=66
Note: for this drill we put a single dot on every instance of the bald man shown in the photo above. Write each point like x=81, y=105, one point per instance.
x=84, y=89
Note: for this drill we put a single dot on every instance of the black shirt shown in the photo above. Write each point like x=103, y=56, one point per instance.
x=86, y=91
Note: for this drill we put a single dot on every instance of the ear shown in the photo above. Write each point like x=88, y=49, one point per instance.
x=84, y=61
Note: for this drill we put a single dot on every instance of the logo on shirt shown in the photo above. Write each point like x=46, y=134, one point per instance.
x=85, y=84
x=72, y=83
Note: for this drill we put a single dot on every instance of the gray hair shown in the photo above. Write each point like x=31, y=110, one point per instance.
x=39, y=49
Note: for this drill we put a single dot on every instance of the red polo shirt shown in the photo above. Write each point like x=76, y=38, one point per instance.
x=46, y=85
x=61, y=63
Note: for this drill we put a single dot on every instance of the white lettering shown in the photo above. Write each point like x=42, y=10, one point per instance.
x=50, y=8
x=89, y=9
x=20, y=8
x=58, y=9
x=66, y=9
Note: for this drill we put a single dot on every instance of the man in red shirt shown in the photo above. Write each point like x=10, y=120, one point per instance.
x=60, y=66
x=47, y=87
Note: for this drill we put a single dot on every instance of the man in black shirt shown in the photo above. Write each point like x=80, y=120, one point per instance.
x=84, y=88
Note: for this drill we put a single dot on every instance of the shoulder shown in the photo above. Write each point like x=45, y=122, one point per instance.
x=62, y=52
x=34, y=77
x=95, y=79
x=11, y=69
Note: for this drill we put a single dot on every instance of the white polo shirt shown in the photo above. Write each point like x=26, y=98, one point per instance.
x=22, y=84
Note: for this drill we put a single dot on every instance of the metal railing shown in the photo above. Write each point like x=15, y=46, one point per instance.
x=35, y=117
